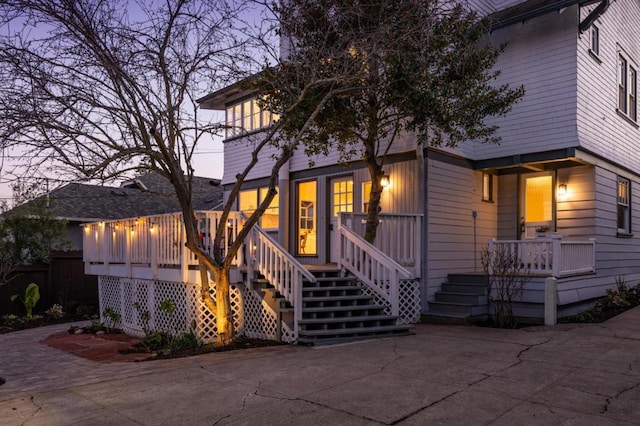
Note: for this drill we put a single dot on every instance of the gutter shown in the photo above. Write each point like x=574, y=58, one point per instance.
x=546, y=7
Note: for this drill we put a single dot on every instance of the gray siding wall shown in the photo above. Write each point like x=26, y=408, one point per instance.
x=508, y=215
x=575, y=214
x=601, y=129
x=541, y=56
x=453, y=193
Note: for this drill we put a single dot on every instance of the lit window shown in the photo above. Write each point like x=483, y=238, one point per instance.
x=248, y=201
x=595, y=40
x=342, y=199
x=366, y=193
x=247, y=116
x=487, y=187
x=627, y=88
x=306, y=232
x=624, y=206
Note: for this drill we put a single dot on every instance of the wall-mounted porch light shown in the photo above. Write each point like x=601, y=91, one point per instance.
x=562, y=190
x=384, y=181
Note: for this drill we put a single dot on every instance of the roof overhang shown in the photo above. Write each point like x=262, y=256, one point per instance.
x=533, y=8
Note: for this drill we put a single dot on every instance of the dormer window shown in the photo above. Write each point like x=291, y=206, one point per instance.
x=245, y=117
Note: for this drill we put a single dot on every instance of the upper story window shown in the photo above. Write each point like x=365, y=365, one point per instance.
x=595, y=40
x=627, y=87
x=246, y=116
x=624, y=206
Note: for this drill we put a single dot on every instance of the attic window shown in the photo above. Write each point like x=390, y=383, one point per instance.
x=595, y=41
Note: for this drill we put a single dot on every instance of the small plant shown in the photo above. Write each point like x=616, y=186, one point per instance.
x=30, y=298
x=145, y=317
x=10, y=320
x=185, y=341
x=112, y=319
x=86, y=312
x=95, y=327
x=55, y=312
x=506, y=278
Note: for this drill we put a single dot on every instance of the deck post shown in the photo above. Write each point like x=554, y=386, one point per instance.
x=550, y=301
x=104, y=243
x=153, y=250
x=127, y=248
x=556, y=246
x=395, y=293
x=184, y=255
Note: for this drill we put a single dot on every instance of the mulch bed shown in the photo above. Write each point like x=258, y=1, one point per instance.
x=96, y=347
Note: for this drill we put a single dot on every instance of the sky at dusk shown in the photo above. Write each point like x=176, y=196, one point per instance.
x=208, y=158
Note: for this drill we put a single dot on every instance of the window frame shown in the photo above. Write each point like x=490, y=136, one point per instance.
x=244, y=116
x=594, y=46
x=487, y=179
x=627, y=87
x=623, y=206
x=258, y=194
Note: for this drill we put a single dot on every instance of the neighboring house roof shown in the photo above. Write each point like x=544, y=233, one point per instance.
x=145, y=195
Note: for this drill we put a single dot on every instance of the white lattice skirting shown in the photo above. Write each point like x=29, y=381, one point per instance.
x=252, y=317
x=409, y=295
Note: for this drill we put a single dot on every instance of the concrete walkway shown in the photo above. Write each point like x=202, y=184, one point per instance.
x=568, y=374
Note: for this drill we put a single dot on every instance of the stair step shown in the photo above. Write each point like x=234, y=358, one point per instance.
x=357, y=318
x=352, y=297
x=469, y=288
x=467, y=278
x=332, y=288
x=320, y=309
x=329, y=282
x=467, y=298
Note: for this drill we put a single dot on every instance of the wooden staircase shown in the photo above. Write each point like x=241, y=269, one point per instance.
x=335, y=310
x=462, y=299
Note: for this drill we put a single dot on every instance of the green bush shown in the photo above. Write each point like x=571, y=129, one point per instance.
x=185, y=341
x=615, y=302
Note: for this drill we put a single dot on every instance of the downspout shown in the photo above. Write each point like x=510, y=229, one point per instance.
x=422, y=156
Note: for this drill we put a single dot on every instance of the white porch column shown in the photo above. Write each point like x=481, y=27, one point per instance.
x=284, y=214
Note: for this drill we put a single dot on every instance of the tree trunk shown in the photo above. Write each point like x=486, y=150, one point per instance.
x=373, y=208
x=224, y=316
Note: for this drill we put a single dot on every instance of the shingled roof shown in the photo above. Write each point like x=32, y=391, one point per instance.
x=145, y=195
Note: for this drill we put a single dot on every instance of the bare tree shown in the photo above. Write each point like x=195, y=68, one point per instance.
x=102, y=88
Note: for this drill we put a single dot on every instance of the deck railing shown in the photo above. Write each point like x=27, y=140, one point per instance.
x=279, y=267
x=154, y=240
x=550, y=256
x=398, y=236
x=374, y=268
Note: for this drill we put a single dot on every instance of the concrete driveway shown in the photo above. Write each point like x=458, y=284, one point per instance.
x=568, y=374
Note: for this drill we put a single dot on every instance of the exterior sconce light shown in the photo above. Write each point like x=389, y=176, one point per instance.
x=384, y=181
x=562, y=190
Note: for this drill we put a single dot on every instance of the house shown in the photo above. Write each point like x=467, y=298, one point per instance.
x=567, y=165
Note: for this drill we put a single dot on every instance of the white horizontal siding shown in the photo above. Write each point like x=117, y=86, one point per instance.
x=575, y=214
x=453, y=193
x=237, y=155
x=541, y=56
x=601, y=129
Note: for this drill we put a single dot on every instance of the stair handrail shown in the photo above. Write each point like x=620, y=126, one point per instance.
x=279, y=267
x=372, y=267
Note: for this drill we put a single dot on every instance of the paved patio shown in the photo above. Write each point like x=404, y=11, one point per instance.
x=568, y=374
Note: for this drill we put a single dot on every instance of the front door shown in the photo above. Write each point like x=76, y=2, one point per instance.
x=340, y=200
x=537, y=208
